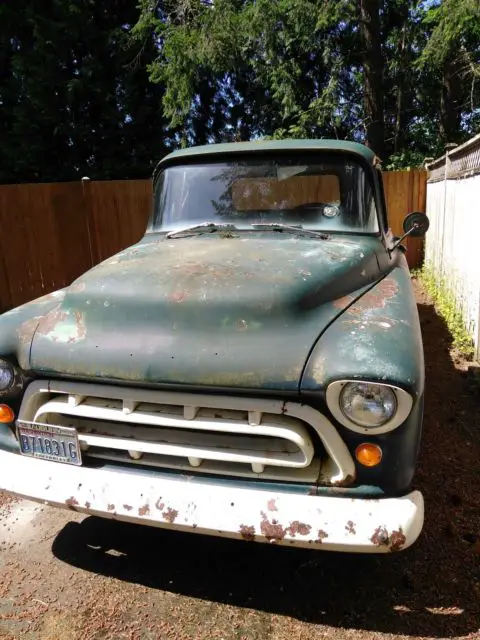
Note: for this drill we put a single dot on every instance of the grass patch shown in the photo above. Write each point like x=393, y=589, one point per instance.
x=448, y=308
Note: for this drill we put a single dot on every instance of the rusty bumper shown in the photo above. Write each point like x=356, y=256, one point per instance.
x=253, y=514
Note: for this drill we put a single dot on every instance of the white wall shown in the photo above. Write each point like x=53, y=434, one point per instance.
x=452, y=246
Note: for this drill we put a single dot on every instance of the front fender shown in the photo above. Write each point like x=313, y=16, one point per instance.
x=377, y=338
x=17, y=327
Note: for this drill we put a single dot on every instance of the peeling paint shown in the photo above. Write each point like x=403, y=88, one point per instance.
x=341, y=303
x=247, y=532
x=380, y=537
x=26, y=330
x=299, y=528
x=350, y=527
x=394, y=541
x=63, y=326
x=144, y=511
x=272, y=505
x=170, y=515
x=321, y=536
x=397, y=540
x=376, y=298
x=272, y=530
x=71, y=502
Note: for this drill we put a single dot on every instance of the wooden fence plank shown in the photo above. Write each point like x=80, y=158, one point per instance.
x=52, y=233
x=405, y=191
x=118, y=214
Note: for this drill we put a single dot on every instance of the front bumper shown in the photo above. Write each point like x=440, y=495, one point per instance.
x=202, y=506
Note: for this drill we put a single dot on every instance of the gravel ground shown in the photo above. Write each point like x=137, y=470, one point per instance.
x=66, y=577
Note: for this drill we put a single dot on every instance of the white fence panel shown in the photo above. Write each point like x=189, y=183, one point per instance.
x=452, y=248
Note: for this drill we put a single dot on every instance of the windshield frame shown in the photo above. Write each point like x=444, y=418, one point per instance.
x=310, y=155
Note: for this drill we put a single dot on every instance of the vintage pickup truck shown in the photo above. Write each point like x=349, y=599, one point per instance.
x=252, y=368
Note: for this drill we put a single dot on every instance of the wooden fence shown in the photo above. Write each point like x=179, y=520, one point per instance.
x=52, y=233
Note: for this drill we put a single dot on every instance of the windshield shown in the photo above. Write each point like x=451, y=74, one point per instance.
x=328, y=193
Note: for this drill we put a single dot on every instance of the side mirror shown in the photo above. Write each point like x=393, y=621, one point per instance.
x=415, y=225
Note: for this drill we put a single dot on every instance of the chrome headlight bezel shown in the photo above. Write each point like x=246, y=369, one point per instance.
x=17, y=380
x=404, y=402
x=7, y=366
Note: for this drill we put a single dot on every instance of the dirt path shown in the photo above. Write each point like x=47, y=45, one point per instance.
x=63, y=576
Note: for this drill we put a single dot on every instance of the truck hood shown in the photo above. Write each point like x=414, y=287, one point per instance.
x=242, y=312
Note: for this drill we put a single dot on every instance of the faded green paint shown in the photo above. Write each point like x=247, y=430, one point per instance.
x=239, y=312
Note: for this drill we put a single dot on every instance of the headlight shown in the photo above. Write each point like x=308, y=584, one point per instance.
x=368, y=405
x=7, y=375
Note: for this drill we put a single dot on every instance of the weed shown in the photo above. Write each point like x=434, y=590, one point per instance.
x=448, y=308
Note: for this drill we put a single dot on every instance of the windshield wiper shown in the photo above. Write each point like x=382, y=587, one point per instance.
x=204, y=227
x=290, y=228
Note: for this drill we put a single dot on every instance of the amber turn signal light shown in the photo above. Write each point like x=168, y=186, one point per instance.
x=368, y=454
x=6, y=414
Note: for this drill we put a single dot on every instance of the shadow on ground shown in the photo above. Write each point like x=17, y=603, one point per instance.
x=432, y=589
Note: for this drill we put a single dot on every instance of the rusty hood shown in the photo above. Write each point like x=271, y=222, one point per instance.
x=242, y=312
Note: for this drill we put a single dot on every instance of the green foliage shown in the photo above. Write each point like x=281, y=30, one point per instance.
x=237, y=69
x=405, y=160
x=456, y=33
x=75, y=97
x=448, y=308
x=103, y=89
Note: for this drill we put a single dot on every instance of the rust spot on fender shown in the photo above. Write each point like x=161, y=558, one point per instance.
x=26, y=330
x=321, y=535
x=247, y=533
x=299, y=528
x=376, y=298
x=341, y=303
x=159, y=505
x=170, y=515
x=80, y=326
x=272, y=505
x=144, y=511
x=127, y=507
x=77, y=287
x=71, y=502
x=62, y=326
x=272, y=530
x=178, y=296
x=51, y=320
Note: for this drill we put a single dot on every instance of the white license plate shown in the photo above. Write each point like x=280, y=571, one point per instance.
x=49, y=442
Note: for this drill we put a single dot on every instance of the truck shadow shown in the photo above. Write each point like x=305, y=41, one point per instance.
x=431, y=590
